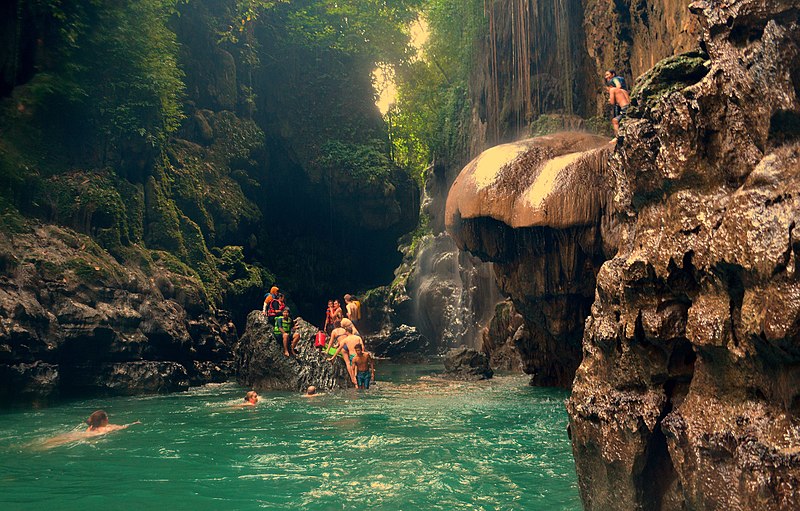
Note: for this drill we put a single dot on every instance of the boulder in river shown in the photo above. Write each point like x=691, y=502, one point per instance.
x=467, y=364
x=261, y=364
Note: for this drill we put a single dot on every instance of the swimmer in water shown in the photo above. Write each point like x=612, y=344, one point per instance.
x=250, y=399
x=98, y=425
x=312, y=392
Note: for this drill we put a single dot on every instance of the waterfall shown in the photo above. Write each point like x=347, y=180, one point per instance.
x=453, y=293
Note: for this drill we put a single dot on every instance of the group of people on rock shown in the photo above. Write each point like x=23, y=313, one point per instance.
x=341, y=334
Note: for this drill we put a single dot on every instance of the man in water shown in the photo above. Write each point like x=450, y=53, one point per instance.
x=98, y=425
x=250, y=399
x=618, y=98
x=363, y=366
x=312, y=392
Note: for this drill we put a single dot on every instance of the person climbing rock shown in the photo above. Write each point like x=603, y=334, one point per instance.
x=618, y=98
x=347, y=349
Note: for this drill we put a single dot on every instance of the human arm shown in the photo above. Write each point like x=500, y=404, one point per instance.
x=371, y=366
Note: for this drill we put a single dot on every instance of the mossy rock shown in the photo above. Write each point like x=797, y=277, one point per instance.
x=668, y=75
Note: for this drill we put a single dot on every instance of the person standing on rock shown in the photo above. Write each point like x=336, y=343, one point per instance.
x=353, y=308
x=363, y=366
x=331, y=321
x=618, y=98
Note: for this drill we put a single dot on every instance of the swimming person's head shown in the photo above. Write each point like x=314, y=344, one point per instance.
x=311, y=390
x=97, y=419
x=251, y=397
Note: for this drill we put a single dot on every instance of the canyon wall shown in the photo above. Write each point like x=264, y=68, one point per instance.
x=687, y=396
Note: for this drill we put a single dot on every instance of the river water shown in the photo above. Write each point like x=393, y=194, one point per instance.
x=412, y=443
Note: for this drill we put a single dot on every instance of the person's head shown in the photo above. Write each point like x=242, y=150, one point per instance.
x=609, y=75
x=97, y=419
x=281, y=297
x=348, y=298
x=251, y=397
x=359, y=349
x=336, y=303
x=286, y=313
x=330, y=303
x=274, y=290
x=347, y=324
x=311, y=390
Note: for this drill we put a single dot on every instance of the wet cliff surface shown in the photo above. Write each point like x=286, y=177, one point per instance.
x=687, y=396
x=514, y=205
x=73, y=321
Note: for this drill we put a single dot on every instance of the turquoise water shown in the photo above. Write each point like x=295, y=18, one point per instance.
x=411, y=443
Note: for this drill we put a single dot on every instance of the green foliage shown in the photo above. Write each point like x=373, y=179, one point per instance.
x=243, y=278
x=114, y=77
x=432, y=116
x=362, y=162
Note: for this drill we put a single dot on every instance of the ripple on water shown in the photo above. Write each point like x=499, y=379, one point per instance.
x=410, y=443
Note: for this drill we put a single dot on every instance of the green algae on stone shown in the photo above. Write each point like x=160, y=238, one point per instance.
x=668, y=75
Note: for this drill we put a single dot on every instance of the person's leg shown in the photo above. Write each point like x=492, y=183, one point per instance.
x=349, y=368
x=295, y=339
x=286, y=344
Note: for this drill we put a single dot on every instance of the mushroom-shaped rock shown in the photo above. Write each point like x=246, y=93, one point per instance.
x=536, y=209
x=554, y=181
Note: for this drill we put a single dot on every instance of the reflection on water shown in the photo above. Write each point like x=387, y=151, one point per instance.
x=412, y=442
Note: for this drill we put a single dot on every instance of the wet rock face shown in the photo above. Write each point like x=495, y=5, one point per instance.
x=516, y=205
x=467, y=364
x=401, y=341
x=261, y=364
x=687, y=396
x=73, y=321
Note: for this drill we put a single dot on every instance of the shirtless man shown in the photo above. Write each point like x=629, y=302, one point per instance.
x=618, y=98
x=312, y=392
x=347, y=347
x=363, y=366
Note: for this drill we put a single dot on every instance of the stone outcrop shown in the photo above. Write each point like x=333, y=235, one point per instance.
x=499, y=338
x=261, y=364
x=535, y=209
x=687, y=396
x=467, y=364
x=73, y=321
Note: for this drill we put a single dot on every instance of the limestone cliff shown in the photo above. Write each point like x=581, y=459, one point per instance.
x=687, y=396
x=535, y=209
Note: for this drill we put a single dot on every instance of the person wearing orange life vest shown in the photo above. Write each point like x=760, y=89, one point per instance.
x=268, y=298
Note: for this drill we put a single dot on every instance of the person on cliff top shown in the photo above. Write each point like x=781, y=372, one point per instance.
x=283, y=327
x=268, y=298
x=618, y=98
x=363, y=367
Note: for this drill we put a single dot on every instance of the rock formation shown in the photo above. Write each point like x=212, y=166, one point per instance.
x=261, y=364
x=688, y=393
x=535, y=209
x=73, y=321
x=467, y=364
